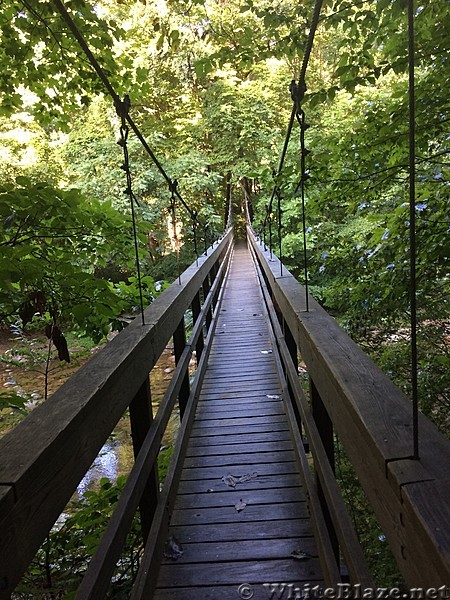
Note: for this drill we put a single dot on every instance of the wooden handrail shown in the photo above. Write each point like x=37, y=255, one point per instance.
x=45, y=457
x=355, y=562
x=145, y=582
x=373, y=420
x=96, y=581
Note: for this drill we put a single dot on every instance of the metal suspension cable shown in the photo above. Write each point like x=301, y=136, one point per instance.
x=117, y=101
x=297, y=94
x=173, y=189
x=412, y=230
x=304, y=177
x=122, y=110
x=310, y=42
x=298, y=89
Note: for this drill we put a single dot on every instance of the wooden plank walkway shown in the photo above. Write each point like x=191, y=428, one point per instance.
x=240, y=429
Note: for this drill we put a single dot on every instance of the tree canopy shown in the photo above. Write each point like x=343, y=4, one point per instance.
x=209, y=88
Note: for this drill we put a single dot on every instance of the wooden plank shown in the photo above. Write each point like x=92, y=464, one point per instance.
x=239, y=413
x=230, y=365
x=431, y=516
x=216, y=407
x=268, y=426
x=243, y=468
x=253, y=438
x=257, y=349
x=233, y=375
x=239, y=430
x=48, y=453
x=254, y=384
x=245, y=571
x=215, y=423
x=235, y=532
x=230, y=395
x=213, y=499
x=232, y=592
x=262, y=482
x=293, y=510
x=227, y=344
x=244, y=458
x=237, y=375
x=205, y=552
x=373, y=420
x=239, y=449
x=253, y=341
x=231, y=359
x=229, y=335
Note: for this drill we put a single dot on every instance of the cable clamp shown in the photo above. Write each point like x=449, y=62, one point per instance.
x=123, y=107
x=297, y=92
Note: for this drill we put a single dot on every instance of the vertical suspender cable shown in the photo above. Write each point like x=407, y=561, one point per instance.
x=194, y=231
x=205, y=239
x=173, y=189
x=269, y=223
x=59, y=4
x=412, y=231
x=122, y=109
x=297, y=93
x=280, y=227
x=304, y=176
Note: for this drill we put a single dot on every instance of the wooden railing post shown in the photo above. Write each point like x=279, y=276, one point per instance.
x=206, y=287
x=179, y=344
x=214, y=270
x=141, y=416
x=325, y=428
x=277, y=308
x=292, y=348
x=196, y=308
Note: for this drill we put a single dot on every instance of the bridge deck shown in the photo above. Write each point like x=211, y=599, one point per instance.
x=241, y=430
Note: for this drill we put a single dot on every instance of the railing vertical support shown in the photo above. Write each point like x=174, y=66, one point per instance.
x=277, y=309
x=292, y=348
x=179, y=344
x=196, y=308
x=325, y=427
x=206, y=287
x=213, y=275
x=214, y=270
x=141, y=417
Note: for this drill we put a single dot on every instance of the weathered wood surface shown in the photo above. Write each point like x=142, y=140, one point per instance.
x=240, y=429
x=333, y=529
x=149, y=564
x=373, y=419
x=46, y=455
x=96, y=581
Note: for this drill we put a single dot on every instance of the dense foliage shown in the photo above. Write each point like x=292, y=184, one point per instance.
x=209, y=87
x=357, y=197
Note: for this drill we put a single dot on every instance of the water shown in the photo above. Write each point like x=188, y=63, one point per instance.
x=116, y=457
